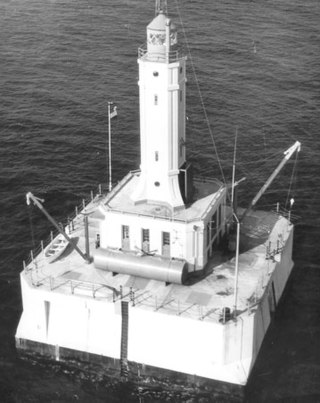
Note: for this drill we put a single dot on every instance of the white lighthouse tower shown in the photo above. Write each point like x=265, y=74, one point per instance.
x=162, y=81
x=159, y=222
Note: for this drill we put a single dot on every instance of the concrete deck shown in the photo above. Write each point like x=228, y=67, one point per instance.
x=263, y=235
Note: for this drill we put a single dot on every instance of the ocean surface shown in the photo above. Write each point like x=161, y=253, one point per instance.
x=254, y=66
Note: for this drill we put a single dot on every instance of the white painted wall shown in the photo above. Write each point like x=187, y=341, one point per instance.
x=75, y=322
x=204, y=348
x=188, y=239
x=182, y=235
x=174, y=342
x=162, y=130
x=157, y=339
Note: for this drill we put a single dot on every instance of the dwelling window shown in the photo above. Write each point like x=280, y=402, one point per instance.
x=213, y=224
x=208, y=232
x=156, y=156
x=166, y=238
x=145, y=235
x=180, y=70
x=180, y=95
x=156, y=99
x=166, y=244
x=125, y=231
x=145, y=239
x=219, y=216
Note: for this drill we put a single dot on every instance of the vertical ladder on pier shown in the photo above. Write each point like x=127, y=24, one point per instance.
x=124, y=339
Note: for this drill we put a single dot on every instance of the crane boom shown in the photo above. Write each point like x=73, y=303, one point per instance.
x=37, y=202
x=288, y=153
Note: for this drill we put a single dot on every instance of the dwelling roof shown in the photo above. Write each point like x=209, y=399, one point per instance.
x=206, y=193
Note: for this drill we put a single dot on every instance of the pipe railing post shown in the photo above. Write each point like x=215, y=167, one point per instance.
x=86, y=230
x=236, y=266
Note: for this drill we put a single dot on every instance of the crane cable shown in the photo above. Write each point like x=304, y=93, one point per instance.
x=31, y=226
x=292, y=179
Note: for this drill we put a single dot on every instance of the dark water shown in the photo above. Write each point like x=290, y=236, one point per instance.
x=257, y=65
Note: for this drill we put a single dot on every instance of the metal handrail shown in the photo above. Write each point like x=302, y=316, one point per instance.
x=34, y=253
x=174, y=55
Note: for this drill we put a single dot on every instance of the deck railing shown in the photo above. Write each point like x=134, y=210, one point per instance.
x=70, y=224
x=173, y=56
x=135, y=297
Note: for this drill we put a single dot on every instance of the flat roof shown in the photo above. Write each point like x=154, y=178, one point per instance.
x=206, y=193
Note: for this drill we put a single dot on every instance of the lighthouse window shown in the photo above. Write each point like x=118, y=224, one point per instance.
x=156, y=99
x=180, y=95
x=155, y=73
x=180, y=70
x=156, y=156
x=157, y=183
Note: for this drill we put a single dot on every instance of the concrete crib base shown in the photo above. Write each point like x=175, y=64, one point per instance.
x=139, y=375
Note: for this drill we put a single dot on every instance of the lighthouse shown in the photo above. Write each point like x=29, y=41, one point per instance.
x=151, y=298
x=165, y=176
x=159, y=222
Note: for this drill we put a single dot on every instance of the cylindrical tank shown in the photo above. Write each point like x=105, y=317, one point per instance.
x=152, y=267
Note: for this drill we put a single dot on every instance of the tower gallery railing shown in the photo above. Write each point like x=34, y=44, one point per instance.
x=174, y=55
